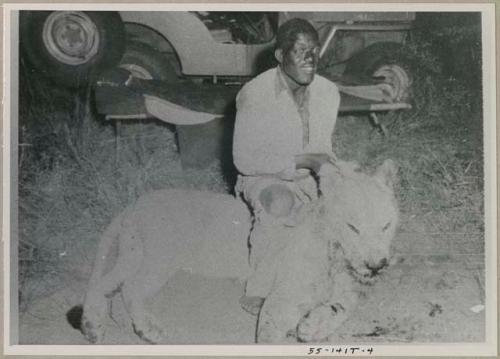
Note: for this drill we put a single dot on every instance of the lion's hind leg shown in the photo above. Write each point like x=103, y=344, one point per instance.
x=96, y=302
x=135, y=294
x=102, y=287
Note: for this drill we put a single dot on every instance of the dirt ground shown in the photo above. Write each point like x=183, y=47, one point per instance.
x=427, y=299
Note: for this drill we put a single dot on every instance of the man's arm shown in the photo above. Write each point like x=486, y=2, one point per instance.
x=325, y=101
x=258, y=146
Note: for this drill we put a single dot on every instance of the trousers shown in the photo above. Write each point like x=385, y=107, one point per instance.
x=276, y=206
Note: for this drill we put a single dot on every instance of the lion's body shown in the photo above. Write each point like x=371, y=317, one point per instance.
x=207, y=233
x=201, y=232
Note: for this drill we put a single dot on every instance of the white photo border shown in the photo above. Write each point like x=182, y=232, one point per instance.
x=9, y=157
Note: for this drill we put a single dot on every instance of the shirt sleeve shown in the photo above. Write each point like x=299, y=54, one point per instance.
x=325, y=105
x=256, y=147
x=333, y=109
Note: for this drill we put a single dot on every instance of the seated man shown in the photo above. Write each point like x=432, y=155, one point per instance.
x=284, y=124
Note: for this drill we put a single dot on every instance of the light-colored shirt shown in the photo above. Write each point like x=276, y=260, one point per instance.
x=269, y=129
x=302, y=106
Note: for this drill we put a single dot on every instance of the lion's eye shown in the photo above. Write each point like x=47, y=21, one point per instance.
x=386, y=227
x=353, y=228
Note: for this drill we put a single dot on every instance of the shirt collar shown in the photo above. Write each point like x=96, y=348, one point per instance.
x=280, y=83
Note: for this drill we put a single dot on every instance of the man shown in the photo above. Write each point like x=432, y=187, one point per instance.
x=284, y=124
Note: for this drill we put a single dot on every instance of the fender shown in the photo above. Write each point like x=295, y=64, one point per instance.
x=198, y=52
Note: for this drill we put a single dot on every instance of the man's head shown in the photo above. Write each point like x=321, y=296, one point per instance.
x=297, y=51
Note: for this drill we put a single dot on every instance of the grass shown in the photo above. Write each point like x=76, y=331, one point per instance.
x=73, y=180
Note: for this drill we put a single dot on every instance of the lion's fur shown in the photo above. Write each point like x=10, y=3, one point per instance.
x=207, y=233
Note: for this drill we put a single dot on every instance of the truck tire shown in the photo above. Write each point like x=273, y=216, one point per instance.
x=72, y=47
x=384, y=60
x=145, y=62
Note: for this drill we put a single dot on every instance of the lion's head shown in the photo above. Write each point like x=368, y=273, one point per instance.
x=361, y=215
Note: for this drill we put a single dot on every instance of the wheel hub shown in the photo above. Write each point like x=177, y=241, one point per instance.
x=71, y=37
x=397, y=79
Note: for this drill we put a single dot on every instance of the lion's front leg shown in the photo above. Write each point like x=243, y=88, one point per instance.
x=323, y=320
x=278, y=321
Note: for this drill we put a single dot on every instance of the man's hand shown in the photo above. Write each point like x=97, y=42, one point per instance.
x=313, y=161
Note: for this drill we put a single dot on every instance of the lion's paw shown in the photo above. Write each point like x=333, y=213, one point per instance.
x=94, y=332
x=320, y=323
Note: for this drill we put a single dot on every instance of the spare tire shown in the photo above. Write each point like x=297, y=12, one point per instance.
x=386, y=61
x=72, y=47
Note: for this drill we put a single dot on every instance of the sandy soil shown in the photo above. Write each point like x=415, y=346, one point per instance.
x=426, y=297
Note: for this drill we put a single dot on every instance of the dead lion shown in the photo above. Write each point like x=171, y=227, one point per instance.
x=344, y=241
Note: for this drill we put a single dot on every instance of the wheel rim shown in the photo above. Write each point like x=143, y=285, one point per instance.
x=71, y=37
x=397, y=79
x=137, y=71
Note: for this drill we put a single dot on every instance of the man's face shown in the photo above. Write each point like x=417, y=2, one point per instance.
x=300, y=63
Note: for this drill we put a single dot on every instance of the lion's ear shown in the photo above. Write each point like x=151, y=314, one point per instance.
x=387, y=173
